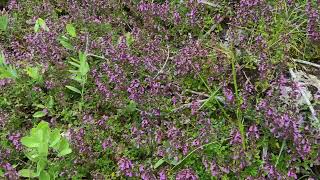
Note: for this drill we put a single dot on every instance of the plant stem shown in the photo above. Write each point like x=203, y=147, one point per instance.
x=238, y=112
x=282, y=147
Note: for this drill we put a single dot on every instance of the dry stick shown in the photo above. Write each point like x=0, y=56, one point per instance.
x=196, y=149
x=188, y=105
x=165, y=63
x=306, y=62
x=197, y=93
x=208, y=3
x=87, y=44
x=313, y=112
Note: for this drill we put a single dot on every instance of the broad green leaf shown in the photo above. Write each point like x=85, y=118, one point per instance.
x=44, y=175
x=33, y=72
x=39, y=114
x=71, y=30
x=41, y=165
x=55, y=137
x=43, y=149
x=65, y=152
x=32, y=155
x=64, y=147
x=27, y=173
x=30, y=141
x=159, y=163
x=3, y=23
x=74, y=89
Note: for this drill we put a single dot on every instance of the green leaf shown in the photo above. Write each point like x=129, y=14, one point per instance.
x=27, y=173
x=1, y=173
x=159, y=163
x=64, y=42
x=36, y=27
x=44, y=175
x=84, y=66
x=3, y=23
x=40, y=23
x=55, y=137
x=64, y=148
x=74, y=64
x=65, y=152
x=41, y=165
x=71, y=30
x=74, y=89
x=30, y=141
x=2, y=59
x=39, y=114
x=43, y=149
x=33, y=72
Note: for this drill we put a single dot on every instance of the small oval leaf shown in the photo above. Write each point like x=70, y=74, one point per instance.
x=74, y=89
x=39, y=114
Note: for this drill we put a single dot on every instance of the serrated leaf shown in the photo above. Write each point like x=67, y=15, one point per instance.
x=44, y=175
x=30, y=141
x=27, y=173
x=39, y=114
x=71, y=30
x=3, y=23
x=74, y=89
x=159, y=163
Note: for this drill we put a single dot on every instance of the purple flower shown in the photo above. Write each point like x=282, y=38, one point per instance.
x=292, y=174
x=125, y=165
x=214, y=169
x=107, y=143
x=10, y=172
x=162, y=175
x=235, y=137
x=253, y=132
x=15, y=140
x=228, y=94
x=186, y=174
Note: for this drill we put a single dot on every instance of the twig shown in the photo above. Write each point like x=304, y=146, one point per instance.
x=165, y=63
x=197, y=93
x=87, y=44
x=218, y=98
x=209, y=3
x=93, y=55
x=200, y=147
x=313, y=112
x=281, y=150
x=306, y=62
